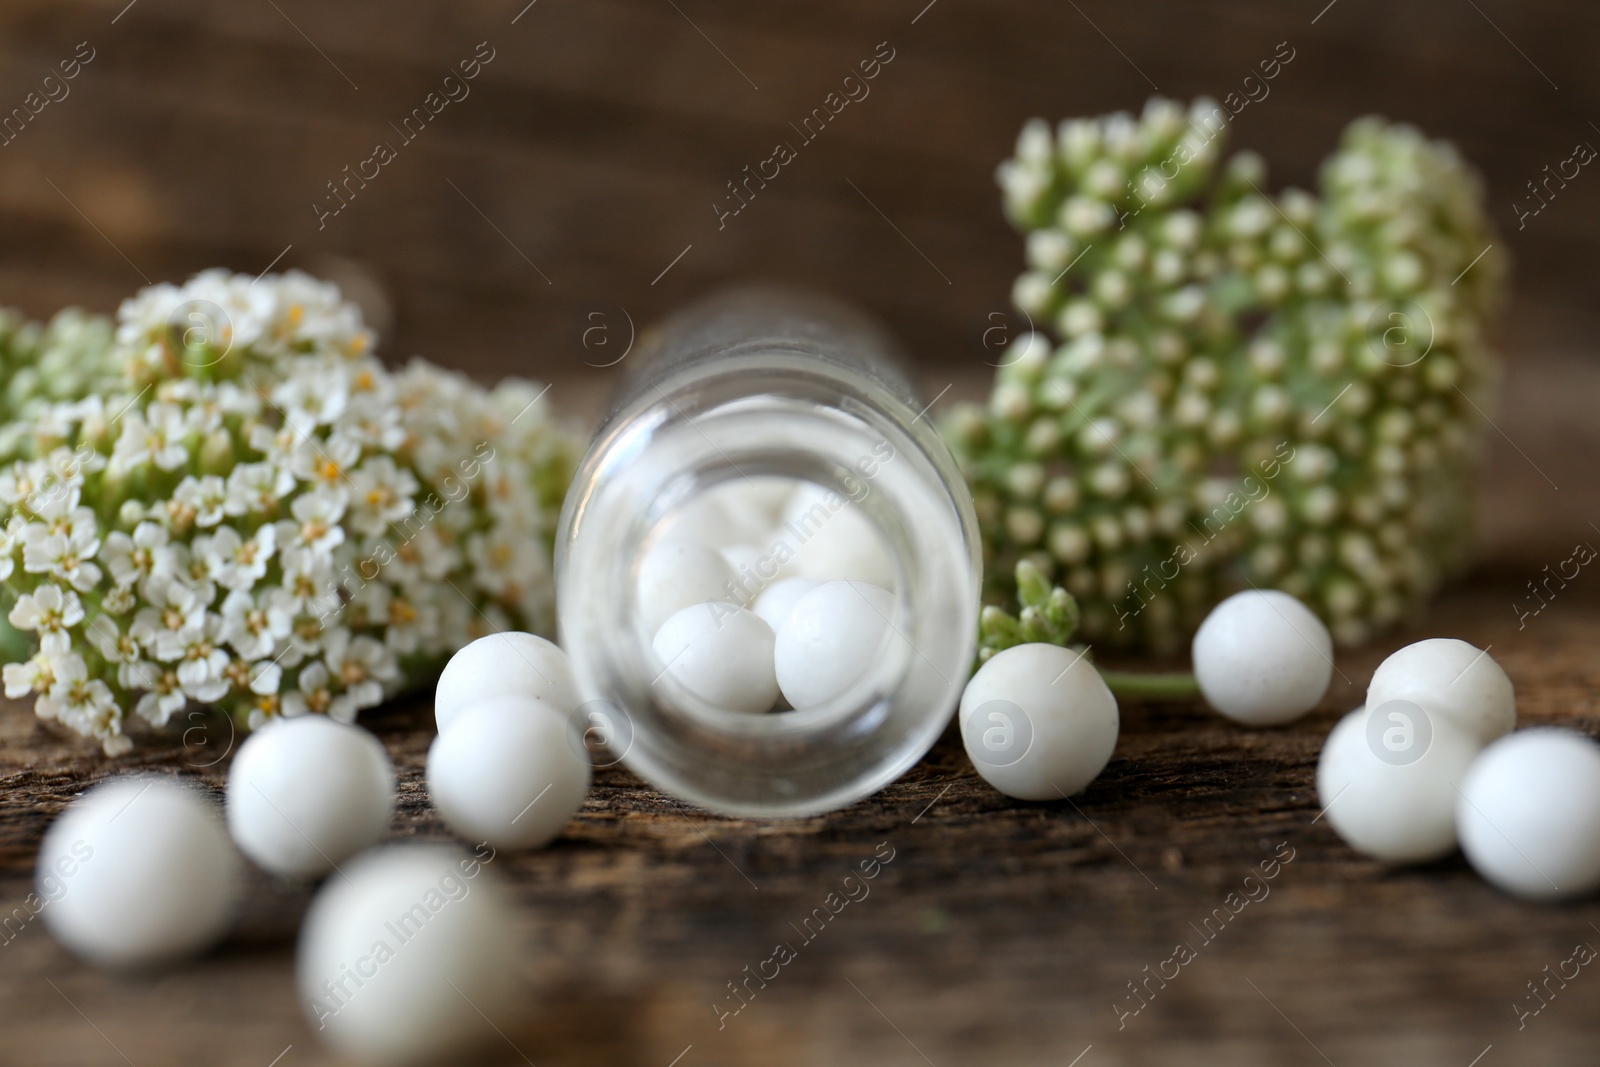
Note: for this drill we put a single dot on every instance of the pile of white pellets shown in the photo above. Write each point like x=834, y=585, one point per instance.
x=1430, y=761
x=768, y=594
x=406, y=948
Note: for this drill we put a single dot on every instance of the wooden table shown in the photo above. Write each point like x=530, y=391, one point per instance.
x=1000, y=932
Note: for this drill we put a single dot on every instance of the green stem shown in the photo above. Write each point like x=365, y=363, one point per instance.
x=1173, y=686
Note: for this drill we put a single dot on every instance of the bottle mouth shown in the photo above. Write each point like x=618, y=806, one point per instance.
x=769, y=414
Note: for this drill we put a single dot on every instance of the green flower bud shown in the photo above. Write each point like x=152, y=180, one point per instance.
x=1250, y=405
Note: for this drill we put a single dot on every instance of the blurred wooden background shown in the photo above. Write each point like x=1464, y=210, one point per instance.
x=591, y=149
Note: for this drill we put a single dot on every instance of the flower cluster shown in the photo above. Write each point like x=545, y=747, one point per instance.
x=1249, y=389
x=1045, y=615
x=40, y=363
x=238, y=505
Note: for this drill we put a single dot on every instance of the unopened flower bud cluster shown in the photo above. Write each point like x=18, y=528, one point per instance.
x=1045, y=615
x=1248, y=389
x=226, y=500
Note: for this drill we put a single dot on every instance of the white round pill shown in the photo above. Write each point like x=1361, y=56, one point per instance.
x=1452, y=679
x=676, y=574
x=720, y=516
x=846, y=548
x=139, y=871
x=802, y=504
x=306, y=793
x=504, y=664
x=721, y=654
x=507, y=773
x=833, y=636
x=1529, y=814
x=410, y=955
x=1262, y=658
x=1387, y=781
x=1038, y=722
x=776, y=602
x=701, y=521
x=832, y=540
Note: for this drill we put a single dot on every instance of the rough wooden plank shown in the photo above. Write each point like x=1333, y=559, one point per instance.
x=1000, y=932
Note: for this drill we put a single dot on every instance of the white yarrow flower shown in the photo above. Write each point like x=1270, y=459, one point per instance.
x=236, y=562
x=145, y=554
x=316, y=523
x=47, y=609
x=163, y=693
x=175, y=615
x=311, y=693
x=256, y=488
x=254, y=629
x=284, y=520
x=202, y=661
x=206, y=497
x=381, y=493
x=40, y=672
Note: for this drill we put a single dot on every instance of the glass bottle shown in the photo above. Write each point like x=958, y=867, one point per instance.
x=747, y=387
